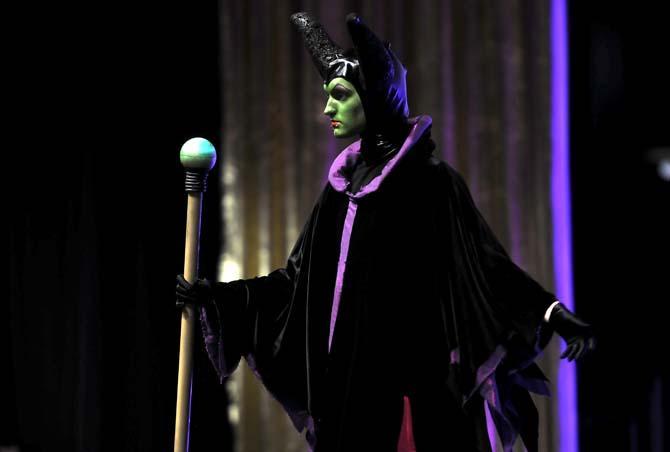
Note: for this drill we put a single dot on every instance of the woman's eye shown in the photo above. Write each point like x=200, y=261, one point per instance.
x=339, y=95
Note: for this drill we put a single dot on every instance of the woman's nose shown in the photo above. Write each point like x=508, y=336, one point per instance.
x=330, y=110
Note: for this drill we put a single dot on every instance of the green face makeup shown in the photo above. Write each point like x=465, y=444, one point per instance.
x=345, y=108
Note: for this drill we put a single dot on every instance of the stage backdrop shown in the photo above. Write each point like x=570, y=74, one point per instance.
x=480, y=68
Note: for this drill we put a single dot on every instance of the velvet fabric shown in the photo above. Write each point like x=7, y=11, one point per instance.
x=427, y=294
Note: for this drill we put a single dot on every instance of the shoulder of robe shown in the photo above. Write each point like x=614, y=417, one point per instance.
x=438, y=172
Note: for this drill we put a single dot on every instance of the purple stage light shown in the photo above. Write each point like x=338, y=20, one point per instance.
x=561, y=215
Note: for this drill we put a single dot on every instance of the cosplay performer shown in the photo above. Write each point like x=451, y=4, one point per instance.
x=397, y=301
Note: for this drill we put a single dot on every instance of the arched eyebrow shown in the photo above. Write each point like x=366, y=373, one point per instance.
x=337, y=85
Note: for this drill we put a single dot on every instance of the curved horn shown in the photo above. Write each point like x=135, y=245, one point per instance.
x=322, y=49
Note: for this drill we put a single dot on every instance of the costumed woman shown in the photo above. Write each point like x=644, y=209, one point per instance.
x=397, y=300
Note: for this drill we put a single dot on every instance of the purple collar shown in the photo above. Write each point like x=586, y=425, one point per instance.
x=344, y=163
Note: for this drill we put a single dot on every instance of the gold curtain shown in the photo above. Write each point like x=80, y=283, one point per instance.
x=480, y=68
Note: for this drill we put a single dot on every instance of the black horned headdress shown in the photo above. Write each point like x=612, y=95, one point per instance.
x=371, y=66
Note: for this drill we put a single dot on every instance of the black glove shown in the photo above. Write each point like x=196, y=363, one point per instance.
x=197, y=294
x=576, y=333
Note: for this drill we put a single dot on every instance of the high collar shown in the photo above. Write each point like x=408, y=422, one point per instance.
x=377, y=146
x=345, y=162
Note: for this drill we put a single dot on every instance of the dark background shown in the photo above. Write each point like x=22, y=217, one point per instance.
x=104, y=98
x=620, y=109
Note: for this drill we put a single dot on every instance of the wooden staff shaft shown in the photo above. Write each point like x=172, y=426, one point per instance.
x=198, y=157
x=188, y=314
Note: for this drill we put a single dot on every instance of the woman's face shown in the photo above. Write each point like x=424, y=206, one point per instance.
x=344, y=107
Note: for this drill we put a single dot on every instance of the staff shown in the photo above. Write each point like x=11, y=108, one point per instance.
x=198, y=157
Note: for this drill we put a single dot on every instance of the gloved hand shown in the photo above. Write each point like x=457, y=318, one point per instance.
x=197, y=294
x=576, y=333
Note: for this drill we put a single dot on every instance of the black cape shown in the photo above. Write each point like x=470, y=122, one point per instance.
x=426, y=286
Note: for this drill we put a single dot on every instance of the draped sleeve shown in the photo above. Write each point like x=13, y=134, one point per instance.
x=496, y=311
x=262, y=320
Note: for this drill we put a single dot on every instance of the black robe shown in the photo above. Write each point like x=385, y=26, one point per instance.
x=425, y=288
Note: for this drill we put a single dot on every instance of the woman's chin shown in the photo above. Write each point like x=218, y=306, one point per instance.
x=341, y=133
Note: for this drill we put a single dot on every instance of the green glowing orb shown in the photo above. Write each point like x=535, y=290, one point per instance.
x=198, y=154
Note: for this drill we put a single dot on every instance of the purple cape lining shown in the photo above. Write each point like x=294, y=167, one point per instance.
x=347, y=159
x=341, y=166
x=495, y=387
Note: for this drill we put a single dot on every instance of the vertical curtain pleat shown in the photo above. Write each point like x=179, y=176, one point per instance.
x=480, y=68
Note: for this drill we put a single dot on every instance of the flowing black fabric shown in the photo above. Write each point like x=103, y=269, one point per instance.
x=428, y=292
